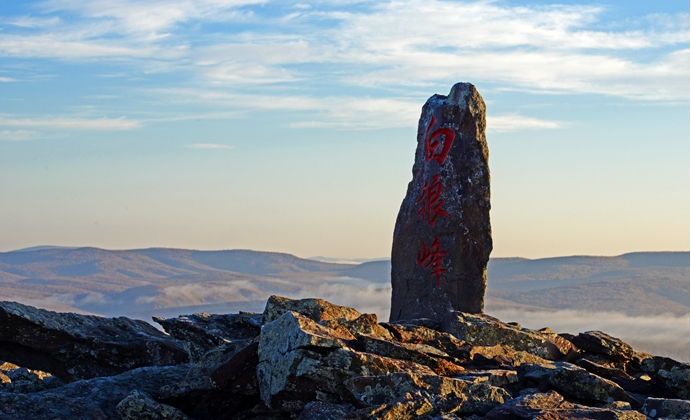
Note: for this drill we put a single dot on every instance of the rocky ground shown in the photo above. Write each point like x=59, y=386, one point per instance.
x=310, y=359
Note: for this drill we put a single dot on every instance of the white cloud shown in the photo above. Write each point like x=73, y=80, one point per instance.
x=554, y=48
x=65, y=123
x=385, y=47
x=343, y=112
x=150, y=17
x=208, y=146
x=19, y=135
x=504, y=123
x=31, y=21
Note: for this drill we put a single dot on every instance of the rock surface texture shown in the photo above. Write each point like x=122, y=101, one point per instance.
x=442, y=239
x=314, y=360
x=73, y=347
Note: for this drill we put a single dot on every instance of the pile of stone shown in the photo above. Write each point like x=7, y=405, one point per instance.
x=310, y=359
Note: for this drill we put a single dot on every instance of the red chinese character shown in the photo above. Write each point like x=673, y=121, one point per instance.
x=433, y=142
x=432, y=257
x=431, y=201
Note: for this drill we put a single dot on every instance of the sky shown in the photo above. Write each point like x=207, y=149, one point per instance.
x=291, y=127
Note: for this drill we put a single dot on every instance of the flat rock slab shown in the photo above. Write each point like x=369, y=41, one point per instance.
x=442, y=239
x=483, y=330
x=73, y=347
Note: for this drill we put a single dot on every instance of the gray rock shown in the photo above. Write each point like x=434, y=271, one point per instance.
x=502, y=354
x=204, y=332
x=197, y=393
x=416, y=334
x=670, y=377
x=437, y=360
x=72, y=346
x=482, y=330
x=365, y=324
x=579, y=383
x=661, y=408
x=14, y=378
x=408, y=407
x=88, y=399
x=300, y=360
x=139, y=406
x=442, y=238
x=552, y=406
x=605, y=344
x=314, y=309
x=495, y=377
x=318, y=410
x=446, y=395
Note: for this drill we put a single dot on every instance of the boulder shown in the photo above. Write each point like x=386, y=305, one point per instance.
x=481, y=330
x=446, y=395
x=601, y=343
x=199, y=394
x=89, y=399
x=502, y=354
x=19, y=379
x=416, y=334
x=300, y=359
x=423, y=354
x=314, y=309
x=602, y=370
x=203, y=332
x=140, y=406
x=73, y=347
x=408, y=407
x=578, y=383
x=662, y=408
x=442, y=237
x=552, y=406
x=318, y=410
x=495, y=377
x=670, y=377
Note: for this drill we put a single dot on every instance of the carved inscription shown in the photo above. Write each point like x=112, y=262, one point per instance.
x=437, y=146
x=432, y=258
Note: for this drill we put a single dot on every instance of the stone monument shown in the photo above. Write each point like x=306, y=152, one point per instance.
x=442, y=239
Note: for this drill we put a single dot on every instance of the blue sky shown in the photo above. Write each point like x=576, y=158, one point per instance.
x=279, y=126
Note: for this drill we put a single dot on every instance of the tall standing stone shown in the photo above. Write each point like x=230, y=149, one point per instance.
x=443, y=238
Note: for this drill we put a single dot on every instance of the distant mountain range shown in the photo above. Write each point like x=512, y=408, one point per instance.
x=158, y=279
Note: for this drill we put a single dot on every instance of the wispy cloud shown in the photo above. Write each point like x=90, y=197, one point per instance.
x=340, y=112
x=554, y=48
x=64, y=123
x=504, y=123
x=208, y=146
x=19, y=135
x=266, y=55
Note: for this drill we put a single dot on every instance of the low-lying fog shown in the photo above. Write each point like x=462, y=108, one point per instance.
x=666, y=335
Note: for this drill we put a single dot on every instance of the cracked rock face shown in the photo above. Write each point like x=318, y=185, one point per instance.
x=442, y=238
x=73, y=347
x=299, y=358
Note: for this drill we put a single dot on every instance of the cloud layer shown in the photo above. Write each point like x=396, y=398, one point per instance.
x=225, y=49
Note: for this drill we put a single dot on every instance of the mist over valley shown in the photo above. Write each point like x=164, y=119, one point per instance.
x=642, y=298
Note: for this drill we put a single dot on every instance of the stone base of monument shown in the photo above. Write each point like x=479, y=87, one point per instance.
x=442, y=239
